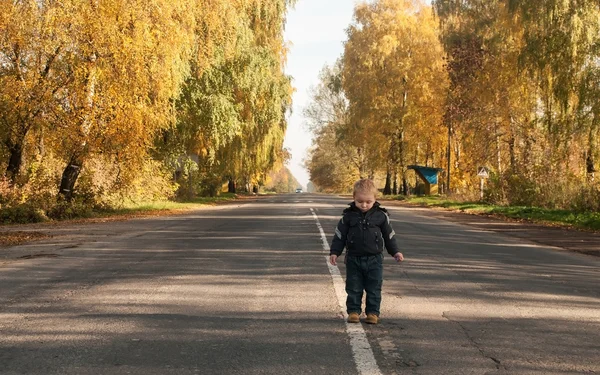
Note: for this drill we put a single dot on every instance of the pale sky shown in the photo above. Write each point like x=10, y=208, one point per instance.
x=315, y=30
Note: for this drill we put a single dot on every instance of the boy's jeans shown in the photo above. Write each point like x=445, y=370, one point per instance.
x=364, y=273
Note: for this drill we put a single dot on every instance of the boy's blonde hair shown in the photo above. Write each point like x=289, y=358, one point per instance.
x=365, y=186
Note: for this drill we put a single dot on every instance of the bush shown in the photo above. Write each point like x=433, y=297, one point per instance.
x=210, y=185
x=22, y=214
x=9, y=195
x=521, y=191
x=40, y=187
x=587, y=198
x=556, y=190
x=70, y=210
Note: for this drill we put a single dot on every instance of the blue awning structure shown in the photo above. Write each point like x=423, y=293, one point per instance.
x=429, y=175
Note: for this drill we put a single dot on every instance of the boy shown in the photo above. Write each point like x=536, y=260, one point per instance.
x=364, y=230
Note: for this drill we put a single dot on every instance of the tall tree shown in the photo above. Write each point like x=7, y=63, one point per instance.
x=561, y=50
x=521, y=88
x=32, y=44
x=333, y=162
x=394, y=79
x=126, y=74
x=233, y=113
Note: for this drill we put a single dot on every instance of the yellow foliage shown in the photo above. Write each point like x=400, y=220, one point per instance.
x=395, y=81
x=85, y=81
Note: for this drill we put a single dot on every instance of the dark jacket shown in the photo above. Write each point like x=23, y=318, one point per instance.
x=364, y=233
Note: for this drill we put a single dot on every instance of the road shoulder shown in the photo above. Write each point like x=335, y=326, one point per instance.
x=565, y=238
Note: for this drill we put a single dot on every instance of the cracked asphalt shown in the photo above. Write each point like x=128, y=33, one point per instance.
x=244, y=289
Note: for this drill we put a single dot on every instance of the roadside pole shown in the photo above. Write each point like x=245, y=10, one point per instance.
x=483, y=173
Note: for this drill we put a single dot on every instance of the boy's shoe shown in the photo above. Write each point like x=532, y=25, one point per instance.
x=372, y=319
x=353, y=318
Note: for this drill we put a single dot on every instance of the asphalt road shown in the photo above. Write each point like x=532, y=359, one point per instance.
x=245, y=289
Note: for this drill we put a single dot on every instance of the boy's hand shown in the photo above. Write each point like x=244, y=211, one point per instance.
x=333, y=259
x=399, y=257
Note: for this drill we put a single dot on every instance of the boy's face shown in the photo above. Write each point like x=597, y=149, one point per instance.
x=364, y=200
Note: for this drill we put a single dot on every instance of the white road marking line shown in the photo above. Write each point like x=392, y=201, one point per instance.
x=361, y=349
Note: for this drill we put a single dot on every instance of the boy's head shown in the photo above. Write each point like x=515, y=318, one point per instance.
x=365, y=194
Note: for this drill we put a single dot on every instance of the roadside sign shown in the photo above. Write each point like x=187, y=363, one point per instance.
x=483, y=172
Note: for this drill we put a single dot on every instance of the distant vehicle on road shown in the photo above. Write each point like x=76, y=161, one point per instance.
x=298, y=190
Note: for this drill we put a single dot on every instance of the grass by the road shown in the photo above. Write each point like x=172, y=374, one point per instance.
x=126, y=211
x=582, y=220
x=134, y=209
x=24, y=214
x=149, y=207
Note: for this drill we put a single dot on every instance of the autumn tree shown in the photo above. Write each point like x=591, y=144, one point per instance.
x=332, y=162
x=232, y=114
x=487, y=89
x=32, y=44
x=394, y=79
x=102, y=83
x=126, y=75
x=562, y=55
x=281, y=180
x=522, y=94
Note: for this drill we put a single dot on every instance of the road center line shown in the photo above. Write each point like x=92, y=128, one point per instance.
x=361, y=349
